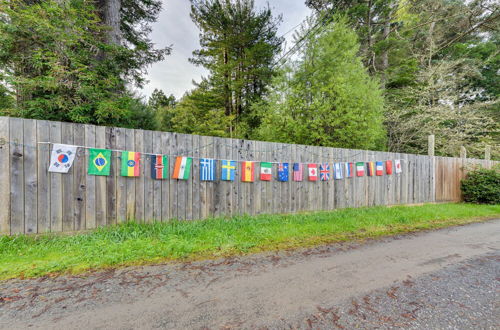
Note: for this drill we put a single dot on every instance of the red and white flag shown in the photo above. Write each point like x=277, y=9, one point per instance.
x=313, y=172
x=397, y=165
x=298, y=168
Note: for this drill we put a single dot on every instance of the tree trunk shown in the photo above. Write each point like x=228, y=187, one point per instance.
x=111, y=17
x=385, y=53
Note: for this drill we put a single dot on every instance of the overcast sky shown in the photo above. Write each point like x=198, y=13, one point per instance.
x=174, y=27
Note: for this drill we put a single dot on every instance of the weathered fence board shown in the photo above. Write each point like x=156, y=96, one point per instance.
x=33, y=200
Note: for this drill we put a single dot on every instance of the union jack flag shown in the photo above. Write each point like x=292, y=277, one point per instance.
x=324, y=172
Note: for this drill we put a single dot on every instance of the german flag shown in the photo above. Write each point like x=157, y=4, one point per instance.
x=371, y=168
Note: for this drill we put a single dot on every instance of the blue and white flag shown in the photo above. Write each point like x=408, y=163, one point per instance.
x=283, y=172
x=228, y=170
x=337, y=171
x=207, y=169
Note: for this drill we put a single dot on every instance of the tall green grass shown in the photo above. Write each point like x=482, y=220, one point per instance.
x=132, y=243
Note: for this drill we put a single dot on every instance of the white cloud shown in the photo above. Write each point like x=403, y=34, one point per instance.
x=174, y=27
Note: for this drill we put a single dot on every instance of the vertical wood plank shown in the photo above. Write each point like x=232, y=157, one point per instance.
x=202, y=184
x=165, y=187
x=111, y=180
x=193, y=174
x=90, y=202
x=30, y=177
x=148, y=181
x=67, y=183
x=145, y=172
x=121, y=181
x=17, y=176
x=197, y=154
x=56, y=189
x=157, y=192
x=101, y=197
x=43, y=191
x=5, y=180
x=130, y=181
x=79, y=188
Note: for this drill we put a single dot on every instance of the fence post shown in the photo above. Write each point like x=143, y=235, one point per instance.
x=463, y=152
x=487, y=155
x=430, y=147
x=430, y=152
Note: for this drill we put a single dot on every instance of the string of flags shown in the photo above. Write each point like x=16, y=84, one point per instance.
x=99, y=163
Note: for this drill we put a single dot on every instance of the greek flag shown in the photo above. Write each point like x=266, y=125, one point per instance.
x=207, y=169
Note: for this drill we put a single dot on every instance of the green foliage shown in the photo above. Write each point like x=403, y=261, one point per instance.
x=238, y=47
x=200, y=111
x=327, y=98
x=482, y=186
x=55, y=56
x=158, y=99
x=131, y=243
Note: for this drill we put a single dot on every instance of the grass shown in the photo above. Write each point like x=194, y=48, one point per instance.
x=131, y=243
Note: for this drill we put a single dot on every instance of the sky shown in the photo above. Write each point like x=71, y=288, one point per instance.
x=175, y=74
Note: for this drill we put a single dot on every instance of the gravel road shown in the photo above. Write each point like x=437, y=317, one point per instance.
x=445, y=279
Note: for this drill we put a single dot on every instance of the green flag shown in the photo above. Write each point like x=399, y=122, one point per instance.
x=99, y=161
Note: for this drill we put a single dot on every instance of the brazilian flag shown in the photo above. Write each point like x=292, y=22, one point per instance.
x=99, y=161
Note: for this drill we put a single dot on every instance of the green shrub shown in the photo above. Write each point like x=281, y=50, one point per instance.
x=482, y=186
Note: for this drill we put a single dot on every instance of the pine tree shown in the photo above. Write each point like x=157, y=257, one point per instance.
x=238, y=46
x=326, y=97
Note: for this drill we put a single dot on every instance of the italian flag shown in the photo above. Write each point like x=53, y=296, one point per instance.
x=360, y=168
x=265, y=171
x=130, y=163
x=182, y=168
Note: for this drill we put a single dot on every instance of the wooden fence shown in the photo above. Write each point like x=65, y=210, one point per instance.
x=32, y=200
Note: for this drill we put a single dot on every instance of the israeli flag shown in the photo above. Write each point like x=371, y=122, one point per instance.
x=337, y=171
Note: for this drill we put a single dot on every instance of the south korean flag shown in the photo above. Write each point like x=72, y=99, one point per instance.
x=62, y=158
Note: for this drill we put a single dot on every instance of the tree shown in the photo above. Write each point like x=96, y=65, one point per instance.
x=238, y=46
x=199, y=111
x=326, y=98
x=158, y=99
x=57, y=60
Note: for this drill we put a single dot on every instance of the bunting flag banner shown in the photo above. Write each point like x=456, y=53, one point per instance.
x=337, y=171
x=130, y=163
x=228, y=170
x=349, y=170
x=388, y=167
x=298, y=170
x=371, y=168
x=247, y=171
x=283, y=172
x=379, y=168
x=99, y=162
x=324, y=172
x=182, y=168
x=207, y=169
x=313, y=172
x=360, y=168
x=266, y=171
x=397, y=165
x=159, y=167
x=62, y=158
